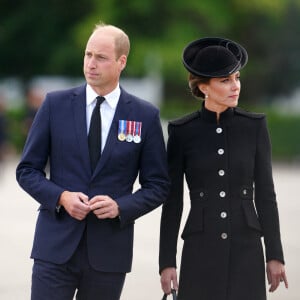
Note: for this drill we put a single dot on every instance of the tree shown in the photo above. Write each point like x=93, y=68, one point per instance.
x=36, y=37
x=48, y=37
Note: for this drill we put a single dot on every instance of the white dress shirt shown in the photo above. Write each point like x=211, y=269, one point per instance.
x=107, y=110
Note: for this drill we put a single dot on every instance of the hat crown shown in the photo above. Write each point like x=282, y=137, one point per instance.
x=214, y=57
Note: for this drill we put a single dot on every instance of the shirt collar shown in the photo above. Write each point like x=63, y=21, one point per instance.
x=112, y=98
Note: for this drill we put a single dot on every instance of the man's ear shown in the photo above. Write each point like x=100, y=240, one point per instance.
x=123, y=60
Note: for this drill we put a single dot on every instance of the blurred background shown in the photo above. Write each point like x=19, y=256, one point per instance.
x=43, y=41
x=42, y=46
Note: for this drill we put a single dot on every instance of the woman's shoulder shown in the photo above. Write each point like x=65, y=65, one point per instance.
x=185, y=119
x=248, y=114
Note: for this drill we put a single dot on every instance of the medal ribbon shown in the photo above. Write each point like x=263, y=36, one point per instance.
x=122, y=126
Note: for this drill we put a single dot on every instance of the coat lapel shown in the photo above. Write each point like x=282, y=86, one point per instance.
x=79, y=113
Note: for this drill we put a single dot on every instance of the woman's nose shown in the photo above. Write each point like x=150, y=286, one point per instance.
x=236, y=85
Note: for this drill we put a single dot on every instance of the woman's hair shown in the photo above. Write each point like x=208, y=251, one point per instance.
x=194, y=81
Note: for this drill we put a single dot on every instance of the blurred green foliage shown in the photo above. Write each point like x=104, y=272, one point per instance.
x=284, y=129
x=48, y=37
x=16, y=131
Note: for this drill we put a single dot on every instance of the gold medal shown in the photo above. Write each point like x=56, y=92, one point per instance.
x=121, y=137
x=122, y=130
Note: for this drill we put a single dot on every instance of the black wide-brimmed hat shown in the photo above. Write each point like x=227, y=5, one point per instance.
x=214, y=57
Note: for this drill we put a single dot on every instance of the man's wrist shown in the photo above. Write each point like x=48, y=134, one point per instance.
x=57, y=208
x=60, y=202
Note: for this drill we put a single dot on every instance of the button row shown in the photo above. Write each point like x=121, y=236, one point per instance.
x=222, y=194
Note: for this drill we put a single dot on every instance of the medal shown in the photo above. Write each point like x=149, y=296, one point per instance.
x=129, y=135
x=122, y=129
x=137, y=132
x=121, y=137
x=137, y=139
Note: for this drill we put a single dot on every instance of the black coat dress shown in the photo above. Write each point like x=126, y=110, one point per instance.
x=227, y=167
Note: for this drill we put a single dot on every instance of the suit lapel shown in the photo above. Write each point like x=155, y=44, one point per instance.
x=122, y=112
x=79, y=114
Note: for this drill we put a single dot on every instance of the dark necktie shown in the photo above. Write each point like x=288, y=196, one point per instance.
x=94, y=137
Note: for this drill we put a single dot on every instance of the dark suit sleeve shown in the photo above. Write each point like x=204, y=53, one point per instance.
x=30, y=171
x=153, y=175
x=265, y=197
x=173, y=207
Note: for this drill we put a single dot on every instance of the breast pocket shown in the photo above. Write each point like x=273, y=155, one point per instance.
x=125, y=154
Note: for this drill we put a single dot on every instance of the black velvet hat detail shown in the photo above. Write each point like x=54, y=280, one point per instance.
x=214, y=57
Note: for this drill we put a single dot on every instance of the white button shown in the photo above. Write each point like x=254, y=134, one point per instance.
x=201, y=194
x=244, y=192
x=219, y=130
x=220, y=151
x=223, y=215
x=221, y=172
x=224, y=236
x=222, y=194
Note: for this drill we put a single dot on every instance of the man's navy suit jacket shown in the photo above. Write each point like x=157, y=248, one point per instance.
x=59, y=132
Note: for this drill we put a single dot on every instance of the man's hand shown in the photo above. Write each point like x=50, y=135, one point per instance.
x=104, y=207
x=75, y=203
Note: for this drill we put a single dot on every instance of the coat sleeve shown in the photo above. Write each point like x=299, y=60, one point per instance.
x=265, y=197
x=173, y=207
x=30, y=171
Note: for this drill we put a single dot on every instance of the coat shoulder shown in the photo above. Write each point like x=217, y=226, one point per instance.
x=65, y=92
x=185, y=119
x=251, y=115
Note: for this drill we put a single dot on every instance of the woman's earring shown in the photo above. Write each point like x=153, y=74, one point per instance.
x=206, y=96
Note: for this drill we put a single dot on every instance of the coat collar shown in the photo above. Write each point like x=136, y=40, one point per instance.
x=211, y=116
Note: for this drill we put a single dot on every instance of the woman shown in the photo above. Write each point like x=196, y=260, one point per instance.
x=224, y=153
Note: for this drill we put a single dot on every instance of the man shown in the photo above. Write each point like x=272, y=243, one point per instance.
x=84, y=233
